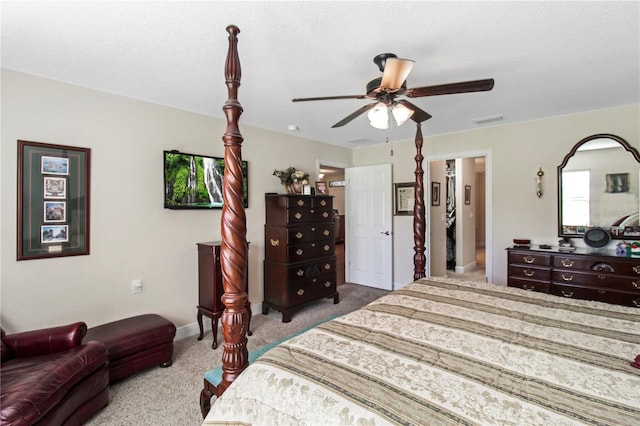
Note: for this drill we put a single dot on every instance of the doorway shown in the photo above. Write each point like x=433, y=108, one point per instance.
x=459, y=233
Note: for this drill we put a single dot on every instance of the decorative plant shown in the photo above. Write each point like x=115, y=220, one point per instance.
x=292, y=175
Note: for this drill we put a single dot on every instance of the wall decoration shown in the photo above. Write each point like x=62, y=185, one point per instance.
x=336, y=183
x=467, y=194
x=617, y=182
x=53, y=200
x=405, y=198
x=435, y=193
x=193, y=181
x=321, y=188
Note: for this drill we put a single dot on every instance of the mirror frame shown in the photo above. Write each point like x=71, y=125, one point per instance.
x=621, y=141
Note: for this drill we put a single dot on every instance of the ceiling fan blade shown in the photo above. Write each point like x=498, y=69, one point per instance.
x=353, y=115
x=451, y=88
x=325, y=98
x=418, y=114
x=395, y=73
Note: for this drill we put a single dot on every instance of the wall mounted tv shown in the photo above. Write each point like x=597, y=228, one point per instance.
x=194, y=181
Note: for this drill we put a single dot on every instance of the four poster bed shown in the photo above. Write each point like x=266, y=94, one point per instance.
x=438, y=351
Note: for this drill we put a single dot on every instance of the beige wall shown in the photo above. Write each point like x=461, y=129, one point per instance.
x=515, y=153
x=132, y=235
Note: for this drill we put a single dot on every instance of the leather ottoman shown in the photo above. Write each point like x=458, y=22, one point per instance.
x=135, y=344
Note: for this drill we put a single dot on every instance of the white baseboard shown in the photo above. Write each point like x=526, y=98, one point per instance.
x=466, y=268
x=192, y=329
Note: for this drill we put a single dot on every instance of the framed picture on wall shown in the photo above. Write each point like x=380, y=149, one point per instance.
x=53, y=200
x=405, y=198
x=617, y=182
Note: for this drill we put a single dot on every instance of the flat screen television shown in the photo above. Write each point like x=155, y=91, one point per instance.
x=194, y=181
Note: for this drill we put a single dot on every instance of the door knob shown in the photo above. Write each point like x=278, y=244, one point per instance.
x=385, y=232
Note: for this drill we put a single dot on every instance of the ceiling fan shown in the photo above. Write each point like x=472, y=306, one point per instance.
x=392, y=84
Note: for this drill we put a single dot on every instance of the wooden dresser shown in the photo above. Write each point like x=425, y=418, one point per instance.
x=299, y=259
x=582, y=274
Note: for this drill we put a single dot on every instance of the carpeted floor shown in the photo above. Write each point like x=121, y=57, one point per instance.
x=170, y=396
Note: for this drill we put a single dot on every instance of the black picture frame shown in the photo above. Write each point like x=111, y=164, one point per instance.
x=435, y=193
x=467, y=194
x=404, y=198
x=69, y=167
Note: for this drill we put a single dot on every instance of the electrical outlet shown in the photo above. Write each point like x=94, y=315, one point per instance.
x=136, y=286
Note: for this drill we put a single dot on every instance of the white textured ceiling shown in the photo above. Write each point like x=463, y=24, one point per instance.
x=547, y=58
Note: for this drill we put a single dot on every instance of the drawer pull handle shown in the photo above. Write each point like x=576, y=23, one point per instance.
x=602, y=277
x=529, y=259
x=313, y=229
x=301, y=203
x=326, y=232
x=298, y=215
x=529, y=272
x=636, y=269
x=528, y=287
x=567, y=277
x=636, y=284
x=325, y=214
x=323, y=203
x=275, y=243
x=299, y=252
x=636, y=303
x=327, y=266
x=327, y=284
x=567, y=293
x=300, y=292
x=602, y=291
x=567, y=263
x=299, y=235
x=327, y=247
x=313, y=244
x=300, y=272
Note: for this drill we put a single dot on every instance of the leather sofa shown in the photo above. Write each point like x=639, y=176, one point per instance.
x=49, y=377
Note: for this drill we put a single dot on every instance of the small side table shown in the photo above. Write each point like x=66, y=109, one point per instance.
x=210, y=289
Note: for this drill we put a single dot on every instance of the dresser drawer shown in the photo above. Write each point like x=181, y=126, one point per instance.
x=529, y=273
x=530, y=285
x=596, y=280
x=310, y=269
x=309, y=289
x=629, y=267
x=529, y=258
x=601, y=295
x=279, y=236
x=294, y=216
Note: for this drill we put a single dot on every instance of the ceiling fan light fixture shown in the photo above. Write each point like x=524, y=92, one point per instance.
x=379, y=116
x=401, y=113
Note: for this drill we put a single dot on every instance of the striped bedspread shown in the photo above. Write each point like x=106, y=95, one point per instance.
x=447, y=352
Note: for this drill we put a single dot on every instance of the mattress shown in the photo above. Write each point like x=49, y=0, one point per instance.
x=449, y=352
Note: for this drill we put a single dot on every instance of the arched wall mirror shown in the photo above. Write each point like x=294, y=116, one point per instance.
x=598, y=186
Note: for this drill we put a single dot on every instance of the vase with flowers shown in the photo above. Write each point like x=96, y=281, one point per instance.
x=292, y=179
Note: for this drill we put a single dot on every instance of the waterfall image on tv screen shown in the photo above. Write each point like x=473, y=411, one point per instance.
x=195, y=181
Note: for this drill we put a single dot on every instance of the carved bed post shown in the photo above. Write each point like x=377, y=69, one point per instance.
x=419, y=258
x=234, y=249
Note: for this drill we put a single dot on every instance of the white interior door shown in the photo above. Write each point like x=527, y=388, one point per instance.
x=369, y=226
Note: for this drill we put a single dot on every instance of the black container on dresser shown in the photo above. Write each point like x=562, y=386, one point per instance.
x=299, y=259
x=600, y=275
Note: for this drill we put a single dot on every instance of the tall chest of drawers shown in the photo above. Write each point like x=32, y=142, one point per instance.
x=299, y=260
x=583, y=274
